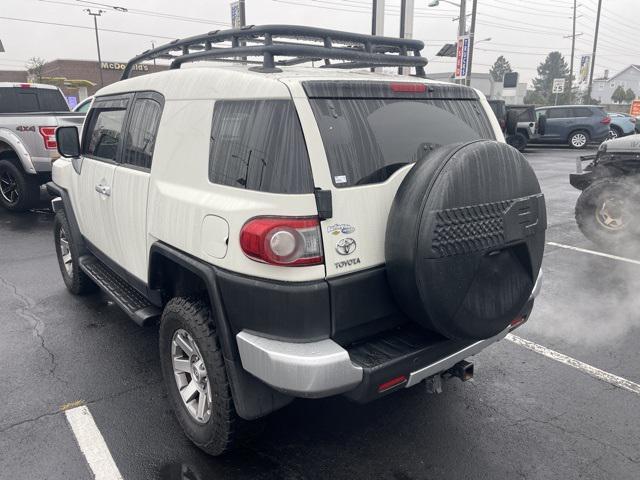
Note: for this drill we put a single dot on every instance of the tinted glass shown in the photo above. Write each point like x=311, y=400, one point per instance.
x=525, y=114
x=25, y=100
x=366, y=140
x=258, y=145
x=559, y=113
x=83, y=107
x=104, y=132
x=141, y=133
x=582, y=112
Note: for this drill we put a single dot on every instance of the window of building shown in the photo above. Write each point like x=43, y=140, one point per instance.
x=259, y=145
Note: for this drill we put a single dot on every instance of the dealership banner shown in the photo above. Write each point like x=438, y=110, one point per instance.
x=585, y=64
x=462, y=57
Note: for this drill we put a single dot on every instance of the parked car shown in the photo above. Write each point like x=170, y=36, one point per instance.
x=298, y=232
x=29, y=115
x=527, y=128
x=575, y=125
x=84, y=105
x=622, y=124
x=607, y=209
x=508, y=121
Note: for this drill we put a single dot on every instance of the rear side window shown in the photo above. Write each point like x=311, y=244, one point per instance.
x=26, y=100
x=559, y=113
x=258, y=145
x=141, y=133
x=582, y=112
x=366, y=140
x=103, y=133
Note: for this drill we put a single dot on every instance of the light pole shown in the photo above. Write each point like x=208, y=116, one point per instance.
x=95, y=16
x=595, y=47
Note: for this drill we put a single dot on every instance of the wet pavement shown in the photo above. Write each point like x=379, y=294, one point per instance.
x=523, y=416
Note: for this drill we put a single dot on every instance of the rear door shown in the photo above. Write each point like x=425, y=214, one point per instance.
x=560, y=121
x=131, y=184
x=101, y=150
x=364, y=137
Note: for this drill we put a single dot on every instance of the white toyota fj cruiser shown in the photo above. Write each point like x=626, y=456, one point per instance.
x=298, y=232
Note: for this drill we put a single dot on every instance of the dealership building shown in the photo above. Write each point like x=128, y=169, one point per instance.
x=79, y=79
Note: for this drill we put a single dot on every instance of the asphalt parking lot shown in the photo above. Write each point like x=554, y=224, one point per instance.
x=525, y=415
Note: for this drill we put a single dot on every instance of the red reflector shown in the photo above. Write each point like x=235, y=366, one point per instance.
x=49, y=136
x=394, y=382
x=516, y=322
x=25, y=85
x=606, y=120
x=409, y=87
x=282, y=241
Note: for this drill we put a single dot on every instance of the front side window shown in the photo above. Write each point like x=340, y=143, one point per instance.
x=366, y=140
x=141, y=133
x=259, y=145
x=103, y=133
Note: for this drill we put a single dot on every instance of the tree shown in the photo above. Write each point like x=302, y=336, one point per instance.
x=619, y=94
x=629, y=96
x=554, y=66
x=35, y=67
x=500, y=67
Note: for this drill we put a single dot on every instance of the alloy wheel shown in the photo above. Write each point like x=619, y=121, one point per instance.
x=9, y=187
x=65, y=252
x=579, y=140
x=190, y=374
x=611, y=215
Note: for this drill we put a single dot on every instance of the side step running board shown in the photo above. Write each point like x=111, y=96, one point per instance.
x=124, y=295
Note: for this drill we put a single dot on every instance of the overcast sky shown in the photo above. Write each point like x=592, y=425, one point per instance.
x=522, y=30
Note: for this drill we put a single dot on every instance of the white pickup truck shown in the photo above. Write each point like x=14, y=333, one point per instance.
x=29, y=116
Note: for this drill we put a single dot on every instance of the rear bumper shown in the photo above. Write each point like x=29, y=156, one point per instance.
x=323, y=368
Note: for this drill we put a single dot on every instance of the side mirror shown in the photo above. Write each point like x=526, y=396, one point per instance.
x=512, y=122
x=542, y=124
x=68, y=142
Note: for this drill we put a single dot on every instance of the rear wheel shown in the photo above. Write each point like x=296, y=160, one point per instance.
x=605, y=212
x=615, y=132
x=579, y=139
x=195, y=376
x=18, y=191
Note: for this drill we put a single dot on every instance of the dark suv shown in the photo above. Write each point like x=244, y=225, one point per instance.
x=575, y=125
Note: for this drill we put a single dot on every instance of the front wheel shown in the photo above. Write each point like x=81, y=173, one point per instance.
x=578, y=140
x=75, y=279
x=605, y=212
x=18, y=191
x=195, y=376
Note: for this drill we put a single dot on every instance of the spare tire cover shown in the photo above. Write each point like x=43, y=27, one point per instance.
x=465, y=239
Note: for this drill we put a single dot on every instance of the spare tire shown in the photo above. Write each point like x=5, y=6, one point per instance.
x=465, y=239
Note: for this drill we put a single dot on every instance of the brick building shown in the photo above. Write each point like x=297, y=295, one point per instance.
x=57, y=71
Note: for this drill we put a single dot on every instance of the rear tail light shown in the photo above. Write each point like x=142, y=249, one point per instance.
x=282, y=241
x=408, y=87
x=516, y=322
x=606, y=120
x=49, y=136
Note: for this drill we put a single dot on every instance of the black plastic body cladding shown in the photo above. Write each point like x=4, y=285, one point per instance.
x=473, y=224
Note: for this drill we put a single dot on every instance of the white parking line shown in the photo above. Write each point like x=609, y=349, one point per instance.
x=572, y=362
x=92, y=444
x=593, y=252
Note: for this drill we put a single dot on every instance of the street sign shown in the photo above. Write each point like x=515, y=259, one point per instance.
x=510, y=80
x=558, y=85
x=462, y=57
x=635, y=108
x=585, y=64
x=235, y=15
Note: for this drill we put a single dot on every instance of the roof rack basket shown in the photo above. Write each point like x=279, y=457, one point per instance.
x=297, y=44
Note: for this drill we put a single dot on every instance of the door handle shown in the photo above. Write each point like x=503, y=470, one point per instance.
x=103, y=190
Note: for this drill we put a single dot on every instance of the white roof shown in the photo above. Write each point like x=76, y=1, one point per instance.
x=221, y=80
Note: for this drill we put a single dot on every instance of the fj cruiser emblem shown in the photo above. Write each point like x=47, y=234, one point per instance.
x=346, y=246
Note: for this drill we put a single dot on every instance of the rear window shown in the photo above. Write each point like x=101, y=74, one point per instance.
x=525, y=114
x=28, y=100
x=366, y=140
x=258, y=145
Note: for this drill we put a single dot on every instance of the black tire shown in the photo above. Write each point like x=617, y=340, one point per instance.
x=615, y=132
x=465, y=239
x=224, y=429
x=18, y=190
x=518, y=141
x=579, y=139
x=75, y=279
x=594, y=216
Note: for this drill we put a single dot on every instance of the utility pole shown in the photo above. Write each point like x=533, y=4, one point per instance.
x=406, y=25
x=573, y=51
x=242, y=13
x=462, y=23
x=472, y=39
x=95, y=16
x=595, y=47
x=377, y=19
